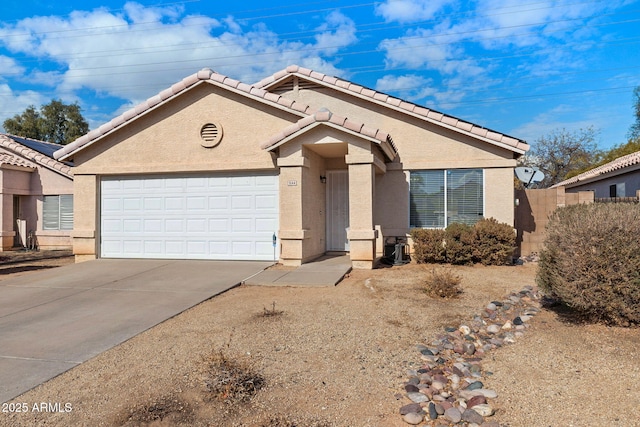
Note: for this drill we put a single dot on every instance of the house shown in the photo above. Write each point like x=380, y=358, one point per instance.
x=618, y=178
x=290, y=168
x=36, y=195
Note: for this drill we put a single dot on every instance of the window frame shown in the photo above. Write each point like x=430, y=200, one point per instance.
x=446, y=210
x=62, y=220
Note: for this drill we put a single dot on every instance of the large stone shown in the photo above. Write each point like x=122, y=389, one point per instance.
x=433, y=413
x=476, y=400
x=417, y=397
x=413, y=418
x=471, y=416
x=484, y=409
x=453, y=414
x=411, y=407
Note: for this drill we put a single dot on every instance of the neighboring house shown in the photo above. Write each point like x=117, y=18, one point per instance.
x=618, y=178
x=212, y=168
x=36, y=195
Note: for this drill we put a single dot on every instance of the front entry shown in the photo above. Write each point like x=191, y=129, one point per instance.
x=337, y=210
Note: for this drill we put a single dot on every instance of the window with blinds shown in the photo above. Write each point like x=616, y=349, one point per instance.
x=57, y=212
x=442, y=197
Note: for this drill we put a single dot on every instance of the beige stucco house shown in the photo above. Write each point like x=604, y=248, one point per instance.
x=618, y=178
x=287, y=169
x=36, y=195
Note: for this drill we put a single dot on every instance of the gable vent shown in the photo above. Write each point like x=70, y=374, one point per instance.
x=211, y=135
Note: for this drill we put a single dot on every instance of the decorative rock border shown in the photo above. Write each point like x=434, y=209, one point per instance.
x=447, y=389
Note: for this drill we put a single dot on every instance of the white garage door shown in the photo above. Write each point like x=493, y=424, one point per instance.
x=231, y=217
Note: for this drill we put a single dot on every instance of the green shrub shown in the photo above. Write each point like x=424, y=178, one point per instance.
x=591, y=261
x=459, y=243
x=488, y=242
x=428, y=245
x=494, y=242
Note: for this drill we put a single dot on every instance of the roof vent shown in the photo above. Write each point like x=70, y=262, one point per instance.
x=211, y=135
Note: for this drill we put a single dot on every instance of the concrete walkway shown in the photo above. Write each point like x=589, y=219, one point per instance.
x=55, y=319
x=325, y=271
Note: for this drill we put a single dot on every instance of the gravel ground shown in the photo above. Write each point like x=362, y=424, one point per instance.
x=318, y=357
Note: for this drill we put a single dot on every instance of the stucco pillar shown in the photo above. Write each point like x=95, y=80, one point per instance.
x=291, y=234
x=362, y=234
x=6, y=222
x=86, y=208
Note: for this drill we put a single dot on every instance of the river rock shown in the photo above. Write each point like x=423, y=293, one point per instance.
x=413, y=418
x=411, y=407
x=476, y=400
x=471, y=416
x=453, y=414
x=417, y=397
x=484, y=409
x=493, y=329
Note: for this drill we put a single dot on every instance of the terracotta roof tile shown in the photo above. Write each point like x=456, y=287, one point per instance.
x=175, y=89
x=615, y=165
x=435, y=116
x=26, y=156
x=10, y=159
x=324, y=115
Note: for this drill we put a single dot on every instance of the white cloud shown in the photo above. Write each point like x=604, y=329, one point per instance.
x=136, y=52
x=15, y=103
x=406, y=11
x=410, y=87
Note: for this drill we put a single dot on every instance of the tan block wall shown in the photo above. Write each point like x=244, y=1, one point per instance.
x=533, y=212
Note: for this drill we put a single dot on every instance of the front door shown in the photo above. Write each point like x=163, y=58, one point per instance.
x=337, y=210
x=19, y=224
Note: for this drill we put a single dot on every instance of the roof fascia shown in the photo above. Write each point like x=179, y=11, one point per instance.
x=280, y=80
x=385, y=146
x=67, y=155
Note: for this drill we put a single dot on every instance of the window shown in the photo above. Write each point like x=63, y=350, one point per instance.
x=440, y=197
x=57, y=212
x=617, y=190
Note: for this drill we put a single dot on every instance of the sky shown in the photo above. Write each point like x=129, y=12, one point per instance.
x=521, y=67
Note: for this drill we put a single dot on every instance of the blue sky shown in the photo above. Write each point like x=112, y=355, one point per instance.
x=521, y=67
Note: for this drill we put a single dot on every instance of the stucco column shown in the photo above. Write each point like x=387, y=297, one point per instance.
x=361, y=235
x=6, y=222
x=291, y=234
x=86, y=211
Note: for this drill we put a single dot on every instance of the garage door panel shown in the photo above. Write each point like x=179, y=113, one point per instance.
x=214, y=217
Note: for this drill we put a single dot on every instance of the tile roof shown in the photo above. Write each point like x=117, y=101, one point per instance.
x=327, y=117
x=397, y=104
x=12, y=143
x=10, y=159
x=615, y=165
x=204, y=75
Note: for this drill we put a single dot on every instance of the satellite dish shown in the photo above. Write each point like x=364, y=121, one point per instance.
x=529, y=175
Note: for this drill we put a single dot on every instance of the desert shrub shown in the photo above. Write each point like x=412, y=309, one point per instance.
x=231, y=380
x=591, y=261
x=494, y=242
x=488, y=242
x=428, y=245
x=442, y=283
x=459, y=243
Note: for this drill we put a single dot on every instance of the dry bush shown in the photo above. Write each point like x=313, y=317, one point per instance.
x=591, y=261
x=442, y=283
x=167, y=409
x=488, y=242
x=231, y=380
x=494, y=242
x=460, y=241
x=428, y=245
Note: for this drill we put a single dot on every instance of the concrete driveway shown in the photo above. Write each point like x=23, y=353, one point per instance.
x=53, y=320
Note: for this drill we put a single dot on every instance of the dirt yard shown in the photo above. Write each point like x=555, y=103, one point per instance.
x=320, y=357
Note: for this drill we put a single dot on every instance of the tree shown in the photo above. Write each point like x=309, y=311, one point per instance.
x=634, y=130
x=562, y=152
x=55, y=122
